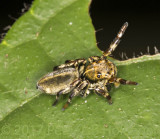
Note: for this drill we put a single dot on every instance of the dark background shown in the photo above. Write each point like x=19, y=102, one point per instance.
x=108, y=16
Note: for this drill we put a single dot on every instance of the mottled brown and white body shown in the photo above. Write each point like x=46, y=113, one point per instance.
x=100, y=69
x=58, y=81
x=81, y=76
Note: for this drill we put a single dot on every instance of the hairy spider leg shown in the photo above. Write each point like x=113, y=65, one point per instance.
x=57, y=97
x=116, y=40
x=93, y=59
x=76, y=91
x=72, y=85
x=69, y=63
x=104, y=93
x=86, y=90
x=118, y=81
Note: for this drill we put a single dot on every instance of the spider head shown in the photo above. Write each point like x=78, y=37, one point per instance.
x=100, y=70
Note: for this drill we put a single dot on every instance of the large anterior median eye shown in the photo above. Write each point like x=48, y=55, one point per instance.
x=99, y=75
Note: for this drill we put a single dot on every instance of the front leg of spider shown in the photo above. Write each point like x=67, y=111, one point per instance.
x=104, y=92
x=116, y=40
x=118, y=81
x=76, y=91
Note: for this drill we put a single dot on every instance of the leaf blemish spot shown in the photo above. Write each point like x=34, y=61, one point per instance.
x=119, y=109
x=50, y=28
x=4, y=43
x=31, y=11
x=105, y=125
x=70, y=23
x=6, y=56
x=37, y=34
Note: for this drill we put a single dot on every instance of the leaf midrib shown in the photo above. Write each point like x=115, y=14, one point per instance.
x=137, y=60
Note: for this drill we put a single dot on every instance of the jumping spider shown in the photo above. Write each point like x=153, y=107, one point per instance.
x=81, y=76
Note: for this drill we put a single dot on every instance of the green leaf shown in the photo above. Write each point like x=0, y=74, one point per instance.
x=49, y=33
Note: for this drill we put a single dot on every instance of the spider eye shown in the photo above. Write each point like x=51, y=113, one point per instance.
x=98, y=75
x=107, y=74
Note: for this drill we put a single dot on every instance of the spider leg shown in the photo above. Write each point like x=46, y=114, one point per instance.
x=57, y=97
x=86, y=90
x=116, y=40
x=76, y=91
x=69, y=63
x=108, y=86
x=104, y=93
x=118, y=81
x=93, y=58
x=64, y=91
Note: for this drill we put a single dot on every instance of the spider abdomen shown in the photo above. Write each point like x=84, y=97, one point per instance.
x=58, y=80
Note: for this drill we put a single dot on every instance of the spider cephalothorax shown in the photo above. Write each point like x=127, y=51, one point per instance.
x=100, y=69
x=80, y=76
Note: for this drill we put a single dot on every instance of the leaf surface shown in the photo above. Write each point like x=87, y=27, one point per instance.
x=49, y=33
